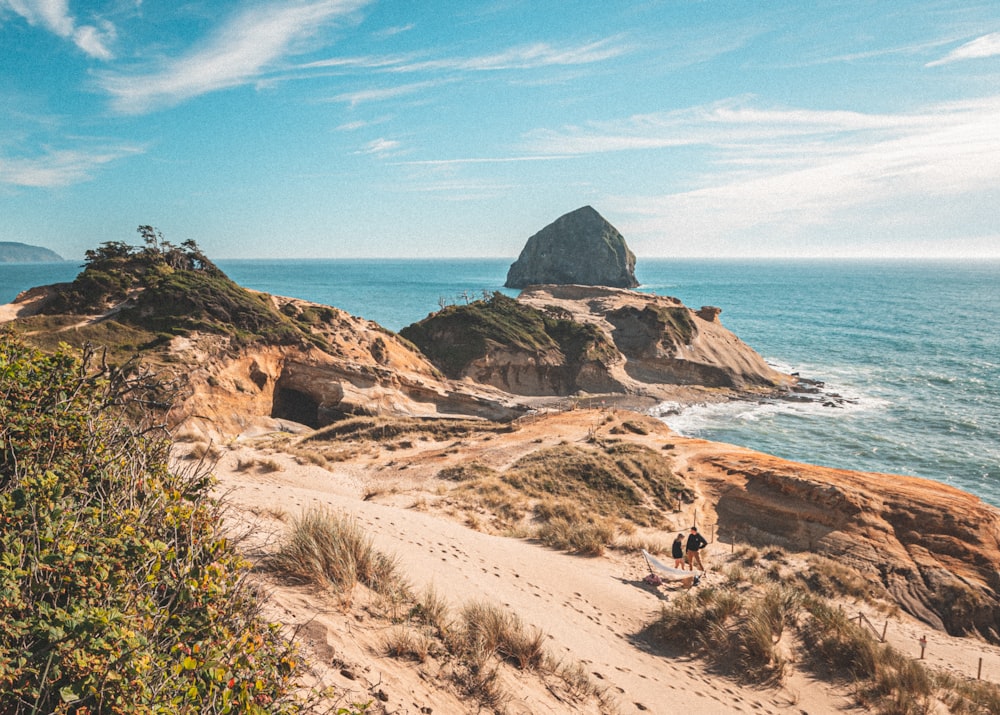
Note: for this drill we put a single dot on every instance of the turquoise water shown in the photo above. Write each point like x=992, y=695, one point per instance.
x=913, y=347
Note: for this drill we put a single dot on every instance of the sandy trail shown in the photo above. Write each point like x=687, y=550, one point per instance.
x=593, y=609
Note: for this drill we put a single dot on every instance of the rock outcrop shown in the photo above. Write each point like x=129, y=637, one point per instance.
x=558, y=340
x=934, y=548
x=364, y=370
x=579, y=247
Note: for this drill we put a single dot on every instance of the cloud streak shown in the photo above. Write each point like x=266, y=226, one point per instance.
x=524, y=57
x=60, y=167
x=55, y=17
x=980, y=48
x=238, y=53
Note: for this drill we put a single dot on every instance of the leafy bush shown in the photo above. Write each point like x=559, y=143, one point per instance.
x=117, y=593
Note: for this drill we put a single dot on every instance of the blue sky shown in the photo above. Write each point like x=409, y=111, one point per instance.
x=354, y=128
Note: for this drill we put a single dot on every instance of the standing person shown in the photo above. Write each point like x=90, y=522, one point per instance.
x=678, y=551
x=695, y=543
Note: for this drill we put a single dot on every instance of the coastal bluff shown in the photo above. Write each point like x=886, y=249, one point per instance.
x=580, y=247
x=561, y=340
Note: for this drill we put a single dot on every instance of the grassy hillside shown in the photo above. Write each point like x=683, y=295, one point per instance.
x=151, y=293
x=460, y=334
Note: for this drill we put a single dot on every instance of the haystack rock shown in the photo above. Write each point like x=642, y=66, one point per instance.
x=579, y=248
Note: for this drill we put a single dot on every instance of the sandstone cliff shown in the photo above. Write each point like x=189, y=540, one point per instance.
x=936, y=549
x=580, y=247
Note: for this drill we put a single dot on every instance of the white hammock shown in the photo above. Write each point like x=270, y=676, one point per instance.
x=668, y=571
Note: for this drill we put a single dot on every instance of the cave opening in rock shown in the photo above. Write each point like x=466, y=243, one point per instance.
x=295, y=406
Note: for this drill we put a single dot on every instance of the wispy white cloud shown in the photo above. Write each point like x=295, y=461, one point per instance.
x=60, y=167
x=985, y=46
x=524, y=57
x=381, y=147
x=394, y=30
x=482, y=160
x=383, y=93
x=794, y=169
x=54, y=16
x=238, y=53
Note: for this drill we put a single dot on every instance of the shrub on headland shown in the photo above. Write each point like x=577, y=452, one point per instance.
x=117, y=592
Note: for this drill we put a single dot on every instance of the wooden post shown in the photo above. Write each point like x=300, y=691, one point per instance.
x=923, y=645
x=979, y=673
x=884, y=629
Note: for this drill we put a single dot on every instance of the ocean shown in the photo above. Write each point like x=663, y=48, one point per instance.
x=911, y=348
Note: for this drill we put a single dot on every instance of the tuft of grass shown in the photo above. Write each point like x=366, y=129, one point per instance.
x=204, y=451
x=491, y=629
x=478, y=676
x=967, y=697
x=406, y=644
x=269, y=465
x=310, y=456
x=828, y=577
x=737, y=631
x=331, y=550
x=588, y=538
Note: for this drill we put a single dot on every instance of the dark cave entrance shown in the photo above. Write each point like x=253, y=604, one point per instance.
x=295, y=406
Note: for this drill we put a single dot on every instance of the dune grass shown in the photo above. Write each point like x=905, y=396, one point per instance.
x=329, y=549
x=747, y=627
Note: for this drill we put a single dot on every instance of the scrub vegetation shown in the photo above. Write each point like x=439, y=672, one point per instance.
x=151, y=293
x=118, y=593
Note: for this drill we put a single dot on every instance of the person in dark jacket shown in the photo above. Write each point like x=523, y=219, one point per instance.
x=678, y=551
x=695, y=543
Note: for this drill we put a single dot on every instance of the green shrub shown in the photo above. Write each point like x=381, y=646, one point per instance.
x=117, y=593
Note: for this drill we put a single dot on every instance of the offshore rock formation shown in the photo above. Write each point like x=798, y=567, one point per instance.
x=579, y=247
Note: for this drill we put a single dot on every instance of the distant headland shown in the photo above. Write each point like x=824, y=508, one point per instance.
x=13, y=252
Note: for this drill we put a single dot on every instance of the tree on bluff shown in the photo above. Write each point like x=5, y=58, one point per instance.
x=115, y=268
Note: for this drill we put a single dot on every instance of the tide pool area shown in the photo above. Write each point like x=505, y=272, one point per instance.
x=910, y=349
